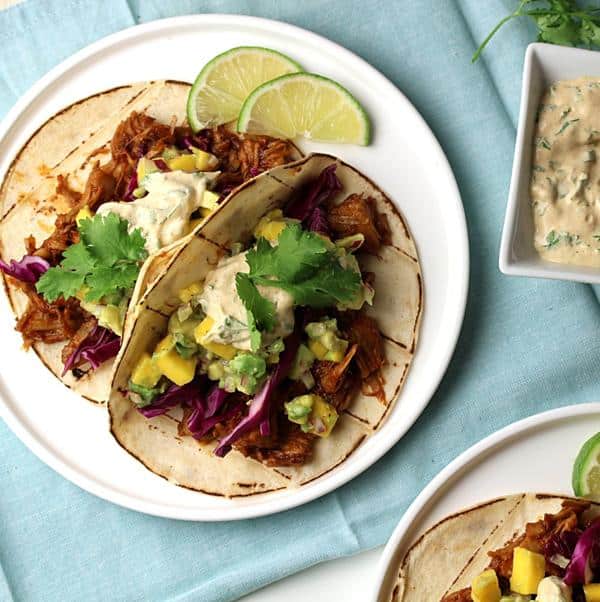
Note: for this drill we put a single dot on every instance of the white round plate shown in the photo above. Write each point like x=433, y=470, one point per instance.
x=405, y=160
x=547, y=444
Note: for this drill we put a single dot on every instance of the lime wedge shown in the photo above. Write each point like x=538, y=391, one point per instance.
x=586, y=470
x=305, y=104
x=225, y=82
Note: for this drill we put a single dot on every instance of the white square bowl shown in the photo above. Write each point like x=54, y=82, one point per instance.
x=544, y=64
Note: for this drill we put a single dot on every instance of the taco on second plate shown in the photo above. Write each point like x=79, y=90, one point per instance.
x=514, y=549
x=278, y=337
x=94, y=204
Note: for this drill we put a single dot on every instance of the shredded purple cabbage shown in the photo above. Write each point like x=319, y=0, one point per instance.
x=190, y=394
x=101, y=345
x=259, y=412
x=28, y=269
x=317, y=221
x=204, y=426
x=214, y=401
x=253, y=172
x=586, y=556
x=321, y=190
x=562, y=544
x=187, y=142
x=161, y=165
x=131, y=186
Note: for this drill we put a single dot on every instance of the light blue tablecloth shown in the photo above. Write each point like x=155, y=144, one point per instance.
x=526, y=345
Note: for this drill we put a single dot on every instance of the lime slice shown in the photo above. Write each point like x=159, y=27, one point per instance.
x=225, y=82
x=586, y=470
x=308, y=105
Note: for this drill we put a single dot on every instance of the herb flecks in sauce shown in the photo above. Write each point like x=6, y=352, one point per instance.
x=565, y=177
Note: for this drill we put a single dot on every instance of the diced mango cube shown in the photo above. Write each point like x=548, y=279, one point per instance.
x=592, y=592
x=227, y=352
x=485, y=587
x=176, y=368
x=146, y=373
x=529, y=569
x=210, y=200
x=182, y=163
x=144, y=167
x=205, y=161
x=186, y=293
x=83, y=213
x=270, y=226
x=318, y=348
x=202, y=329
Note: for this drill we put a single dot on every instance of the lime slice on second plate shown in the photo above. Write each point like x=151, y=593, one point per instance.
x=586, y=470
x=308, y=105
x=225, y=82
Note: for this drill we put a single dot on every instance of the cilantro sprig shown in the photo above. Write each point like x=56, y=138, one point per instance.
x=303, y=265
x=560, y=22
x=106, y=261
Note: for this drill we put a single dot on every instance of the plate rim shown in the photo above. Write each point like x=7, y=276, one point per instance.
x=484, y=447
x=460, y=287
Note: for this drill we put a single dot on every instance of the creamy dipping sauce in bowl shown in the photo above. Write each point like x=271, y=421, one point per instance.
x=565, y=178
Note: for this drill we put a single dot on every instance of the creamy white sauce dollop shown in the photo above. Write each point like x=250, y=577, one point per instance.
x=220, y=301
x=164, y=213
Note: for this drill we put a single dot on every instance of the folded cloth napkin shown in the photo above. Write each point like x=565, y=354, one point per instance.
x=526, y=346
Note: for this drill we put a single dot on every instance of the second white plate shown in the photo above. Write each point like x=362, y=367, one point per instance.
x=546, y=443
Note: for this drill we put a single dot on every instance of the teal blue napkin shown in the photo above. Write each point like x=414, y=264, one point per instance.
x=526, y=346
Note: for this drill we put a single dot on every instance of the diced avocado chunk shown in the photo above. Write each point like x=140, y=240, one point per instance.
x=324, y=341
x=302, y=362
x=146, y=373
x=144, y=396
x=515, y=598
x=299, y=409
x=312, y=413
x=316, y=330
x=183, y=331
x=250, y=364
x=176, y=368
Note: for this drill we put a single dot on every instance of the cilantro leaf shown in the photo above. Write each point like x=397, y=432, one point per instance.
x=105, y=280
x=106, y=261
x=330, y=285
x=108, y=239
x=558, y=21
x=297, y=255
x=261, y=310
x=304, y=265
x=69, y=277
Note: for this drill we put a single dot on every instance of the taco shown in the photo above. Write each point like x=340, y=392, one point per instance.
x=517, y=548
x=93, y=206
x=278, y=337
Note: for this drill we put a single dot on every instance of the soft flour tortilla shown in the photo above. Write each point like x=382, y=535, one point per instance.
x=451, y=554
x=69, y=144
x=397, y=309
